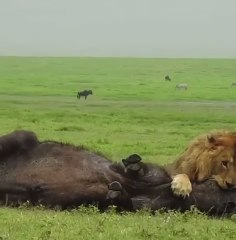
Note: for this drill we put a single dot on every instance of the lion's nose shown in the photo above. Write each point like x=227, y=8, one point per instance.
x=230, y=185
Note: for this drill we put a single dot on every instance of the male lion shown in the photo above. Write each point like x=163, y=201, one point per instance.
x=211, y=156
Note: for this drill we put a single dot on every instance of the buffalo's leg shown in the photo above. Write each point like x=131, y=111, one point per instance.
x=14, y=188
x=114, y=190
x=133, y=164
x=14, y=194
x=17, y=141
x=118, y=196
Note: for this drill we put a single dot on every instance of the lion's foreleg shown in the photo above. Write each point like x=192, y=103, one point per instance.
x=181, y=185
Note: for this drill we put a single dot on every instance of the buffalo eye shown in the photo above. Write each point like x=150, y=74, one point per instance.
x=225, y=164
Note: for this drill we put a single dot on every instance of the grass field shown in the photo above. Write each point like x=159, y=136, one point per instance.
x=133, y=109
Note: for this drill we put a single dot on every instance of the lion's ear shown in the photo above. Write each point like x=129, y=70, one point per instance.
x=211, y=139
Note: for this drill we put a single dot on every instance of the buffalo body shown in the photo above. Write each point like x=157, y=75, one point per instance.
x=57, y=174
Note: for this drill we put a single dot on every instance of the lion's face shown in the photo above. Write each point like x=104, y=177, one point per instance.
x=223, y=168
x=207, y=157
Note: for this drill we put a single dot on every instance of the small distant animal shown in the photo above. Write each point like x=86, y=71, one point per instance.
x=180, y=86
x=84, y=94
x=233, y=84
x=167, y=78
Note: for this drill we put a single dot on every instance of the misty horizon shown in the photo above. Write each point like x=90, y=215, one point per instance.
x=118, y=28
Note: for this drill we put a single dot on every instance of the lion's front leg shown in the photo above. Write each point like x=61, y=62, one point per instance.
x=181, y=185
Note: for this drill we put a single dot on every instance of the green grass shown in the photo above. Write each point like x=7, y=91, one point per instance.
x=133, y=109
x=91, y=224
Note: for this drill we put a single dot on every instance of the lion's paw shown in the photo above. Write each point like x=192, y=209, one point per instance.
x=181, y=185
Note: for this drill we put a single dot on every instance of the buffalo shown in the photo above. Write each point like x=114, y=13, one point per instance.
x=61, y=175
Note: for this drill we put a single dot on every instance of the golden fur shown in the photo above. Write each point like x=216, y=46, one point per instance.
x=209, y=156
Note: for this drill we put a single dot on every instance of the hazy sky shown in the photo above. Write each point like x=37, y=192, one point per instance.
x=139, y=28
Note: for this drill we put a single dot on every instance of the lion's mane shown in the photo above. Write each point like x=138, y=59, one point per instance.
x=198, y=158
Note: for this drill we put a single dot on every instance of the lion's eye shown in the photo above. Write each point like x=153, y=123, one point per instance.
x=225, y=164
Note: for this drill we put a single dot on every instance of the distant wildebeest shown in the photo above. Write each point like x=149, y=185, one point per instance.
x=233, y=84
x=180, y=86
x=57, y=174
x=84, y=94
x=167, y=78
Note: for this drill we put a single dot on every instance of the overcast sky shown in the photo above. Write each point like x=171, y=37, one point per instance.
x=136, y=28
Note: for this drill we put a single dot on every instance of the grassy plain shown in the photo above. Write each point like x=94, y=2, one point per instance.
x=133, y=109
